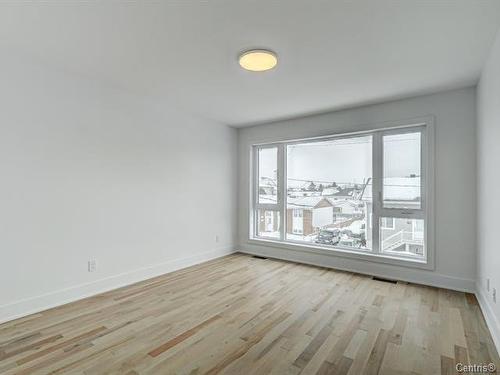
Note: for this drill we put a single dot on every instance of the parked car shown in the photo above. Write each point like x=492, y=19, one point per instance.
x=329, y=236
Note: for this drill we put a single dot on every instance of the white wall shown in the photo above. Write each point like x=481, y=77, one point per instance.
x=89, y=171
x=455, y=190
x=488, y=166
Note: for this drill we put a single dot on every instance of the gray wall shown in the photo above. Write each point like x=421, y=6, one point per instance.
x=92, y=172
x=488, y=166
x=455, y=191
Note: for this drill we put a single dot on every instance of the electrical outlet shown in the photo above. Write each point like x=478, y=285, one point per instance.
x=488, y=284
x=494, y=295
x=92, y=265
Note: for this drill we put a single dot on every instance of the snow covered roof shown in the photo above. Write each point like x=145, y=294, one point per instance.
x=267, y=199
x=330, y=191
x=304, y=202
x=298, y=202
x=339, y=192
x=312, y=201
x=402, y=188
x=398, y=188
x=266, y=181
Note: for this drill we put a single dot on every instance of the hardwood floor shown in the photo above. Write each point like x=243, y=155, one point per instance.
x=244, y=315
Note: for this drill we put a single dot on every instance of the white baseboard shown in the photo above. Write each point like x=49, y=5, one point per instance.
x=46, y=301
x=416, y=276
x=489, y=315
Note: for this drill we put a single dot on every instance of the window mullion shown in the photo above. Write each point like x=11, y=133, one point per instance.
x=423, y=169
x=282, y=189
x=402, y=213
x=255, y=189
x=377, y=173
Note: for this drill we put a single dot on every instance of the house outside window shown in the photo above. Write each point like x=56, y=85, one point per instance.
x=298, y=221
x=387, y=223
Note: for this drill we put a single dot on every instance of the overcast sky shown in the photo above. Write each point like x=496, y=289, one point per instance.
x=346, y=160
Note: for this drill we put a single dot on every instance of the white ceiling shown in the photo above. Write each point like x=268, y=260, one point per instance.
x=333, y=54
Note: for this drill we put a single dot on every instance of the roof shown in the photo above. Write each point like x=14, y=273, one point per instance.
x=398, y=188
x=267, y=199
x=304, y=202
x=266, y=181
x=313, y=201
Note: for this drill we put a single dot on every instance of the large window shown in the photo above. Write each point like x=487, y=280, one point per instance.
x=327, y=181
x=363, y=193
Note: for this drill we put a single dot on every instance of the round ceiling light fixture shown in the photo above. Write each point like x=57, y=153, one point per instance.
x=258, y=60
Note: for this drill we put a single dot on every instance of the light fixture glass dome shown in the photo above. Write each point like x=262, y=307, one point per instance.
x=258, y=60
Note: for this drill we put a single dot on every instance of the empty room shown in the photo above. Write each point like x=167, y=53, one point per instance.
x=249, y=187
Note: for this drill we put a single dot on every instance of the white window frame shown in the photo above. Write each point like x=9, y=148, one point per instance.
x=425, y=125
x=278, y=206
x=379, y=211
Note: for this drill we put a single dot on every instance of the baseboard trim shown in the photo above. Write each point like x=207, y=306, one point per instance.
x=490, y=317
x=25, y=307
x=422, y=277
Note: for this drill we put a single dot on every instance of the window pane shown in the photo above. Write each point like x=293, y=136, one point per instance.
x=268, y=175
x=329, y=192
x=268, y=224
x=405, y=237
x=387, y=222
x=402, y=171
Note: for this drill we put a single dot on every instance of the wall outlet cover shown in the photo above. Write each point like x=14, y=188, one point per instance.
x=92, y=265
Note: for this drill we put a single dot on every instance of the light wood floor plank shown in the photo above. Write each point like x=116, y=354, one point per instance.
x=244, y=315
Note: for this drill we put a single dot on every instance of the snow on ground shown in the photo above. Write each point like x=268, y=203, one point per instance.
x=355, y=227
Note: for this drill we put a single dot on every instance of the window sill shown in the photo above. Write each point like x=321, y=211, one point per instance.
x=344, y=252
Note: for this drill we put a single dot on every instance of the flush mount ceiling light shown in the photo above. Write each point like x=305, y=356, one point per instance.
x=258, y=60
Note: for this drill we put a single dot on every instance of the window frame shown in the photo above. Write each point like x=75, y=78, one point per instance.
x=379, y=210
x=425, y=125
x=279, y=183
